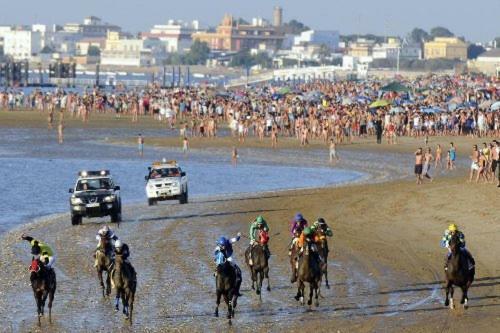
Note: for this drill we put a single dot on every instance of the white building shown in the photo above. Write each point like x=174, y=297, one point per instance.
x=175, y=35
x=21, y=44
x=92, y=27
x=125, y=52
x=329, y=38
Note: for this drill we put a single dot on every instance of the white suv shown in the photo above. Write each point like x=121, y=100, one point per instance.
x=166, y=181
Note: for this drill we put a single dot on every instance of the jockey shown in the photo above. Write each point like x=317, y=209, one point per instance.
x=297, y=225
x=105, y=238
x=225, y=246
x=321, y=230
x=123, y=250
x=259, y=225
x=445, y=242
x=41, y=251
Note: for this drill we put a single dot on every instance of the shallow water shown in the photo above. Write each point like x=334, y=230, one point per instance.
x=36, y=172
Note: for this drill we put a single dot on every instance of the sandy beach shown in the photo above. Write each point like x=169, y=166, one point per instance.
x=386, y=265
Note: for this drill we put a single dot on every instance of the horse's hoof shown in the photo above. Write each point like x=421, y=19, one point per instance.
x=257, y=292
x=309, y=303
x=446, y=303
x=253, y=287
x=297, y=298
x=452, y=306
x=466, y=306
x=316, y=304
x=216, y=314
x=117, y=308
x=230, y=323
x=268, y=288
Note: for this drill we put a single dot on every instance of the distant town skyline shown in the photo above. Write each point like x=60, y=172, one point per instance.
x=477, y=21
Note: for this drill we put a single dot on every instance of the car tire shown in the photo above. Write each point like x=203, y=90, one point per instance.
x=184, y=198
x=76, y=219
x=116, y=217
x=151, y=202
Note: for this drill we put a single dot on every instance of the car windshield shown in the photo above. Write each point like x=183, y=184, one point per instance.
x=93, y=184
x=164, y=172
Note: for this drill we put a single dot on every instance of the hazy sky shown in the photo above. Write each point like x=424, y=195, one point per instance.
x=476, y=20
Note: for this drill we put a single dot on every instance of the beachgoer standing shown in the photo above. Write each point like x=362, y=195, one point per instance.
x=234, y=157
x=185, y=145
x=427, y=163
x=418, y=165
x=140, y=144
x=474, y=167
x=333, y=152
x=437, y=160
x=453, y=156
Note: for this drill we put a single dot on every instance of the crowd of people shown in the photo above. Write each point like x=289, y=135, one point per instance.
x=428, y=106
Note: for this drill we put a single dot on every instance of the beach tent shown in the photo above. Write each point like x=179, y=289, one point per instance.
x=380, y=103
x=396, y=87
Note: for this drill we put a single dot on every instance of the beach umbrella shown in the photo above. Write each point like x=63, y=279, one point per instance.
x=485, y=104
x=396, y=87
x=380, y=103
x=397, y=110
x=495, y=106
x=431, y=110
x=284, y=91
x=346, y=101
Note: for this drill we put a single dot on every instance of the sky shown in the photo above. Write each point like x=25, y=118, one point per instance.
x=476, y=20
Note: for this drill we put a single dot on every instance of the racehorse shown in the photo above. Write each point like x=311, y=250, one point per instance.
x=125, y=283
x=308, y=271
x=458, y=273
x=259, y=267
x=323, y=252
x=104, y=264
x=43, y=282
x=225, y=285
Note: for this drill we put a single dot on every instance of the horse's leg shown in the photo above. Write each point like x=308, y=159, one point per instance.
x=317, y=290
x=131, y=305
x=452, y=290
x=108, y=283
x=311, y=291
x=217, y=302
x=51, y=299
x=447, y=300
x=326, y=272
x=266, y=271
x=99, y=276
x=125, y=303
x=229, y=303
x=302, y=289
x=117, y=300
x=254, y=277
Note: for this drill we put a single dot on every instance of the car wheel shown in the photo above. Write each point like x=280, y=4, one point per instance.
x=184, y=198
x=151, y=202
x=76, y=219
x=116, y=217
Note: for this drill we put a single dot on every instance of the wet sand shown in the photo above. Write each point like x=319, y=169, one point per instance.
x=385, y=267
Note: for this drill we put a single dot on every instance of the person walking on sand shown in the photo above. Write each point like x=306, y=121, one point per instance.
x=453, y=156
x=140, y=144
x=427, y=163
x=60, y=132
x=418, y=165
x=274, y=137
x=234, y=157
x=437, y=159
x=474, y=166
x=334, y=158
x=185, y=145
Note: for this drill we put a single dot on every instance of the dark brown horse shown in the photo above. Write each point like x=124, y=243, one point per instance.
x=125, y=282
x=458, y=273
x=104, y=264
x=323, y=252
x=225, y=285
x=308, y=271
x=259, y=267
x=43, y=282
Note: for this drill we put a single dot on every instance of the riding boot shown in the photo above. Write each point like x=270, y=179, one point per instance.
x=238, y=281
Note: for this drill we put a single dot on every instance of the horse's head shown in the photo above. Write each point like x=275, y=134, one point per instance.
x=220, y=261
x=35, y=266
x=454, y=243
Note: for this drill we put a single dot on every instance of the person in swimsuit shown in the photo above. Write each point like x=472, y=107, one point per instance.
x=427, y=164
x=418, y=165
x=453, y=155
x=474, y=167
x=437, y=159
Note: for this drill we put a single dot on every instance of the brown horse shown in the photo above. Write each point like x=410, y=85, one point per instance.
x=125, y=283
x=43, y=282
x=104, y=264
x=323, y=252
x=259, y=267
x=308, y=271
x=458, y=273
x=225, y=285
